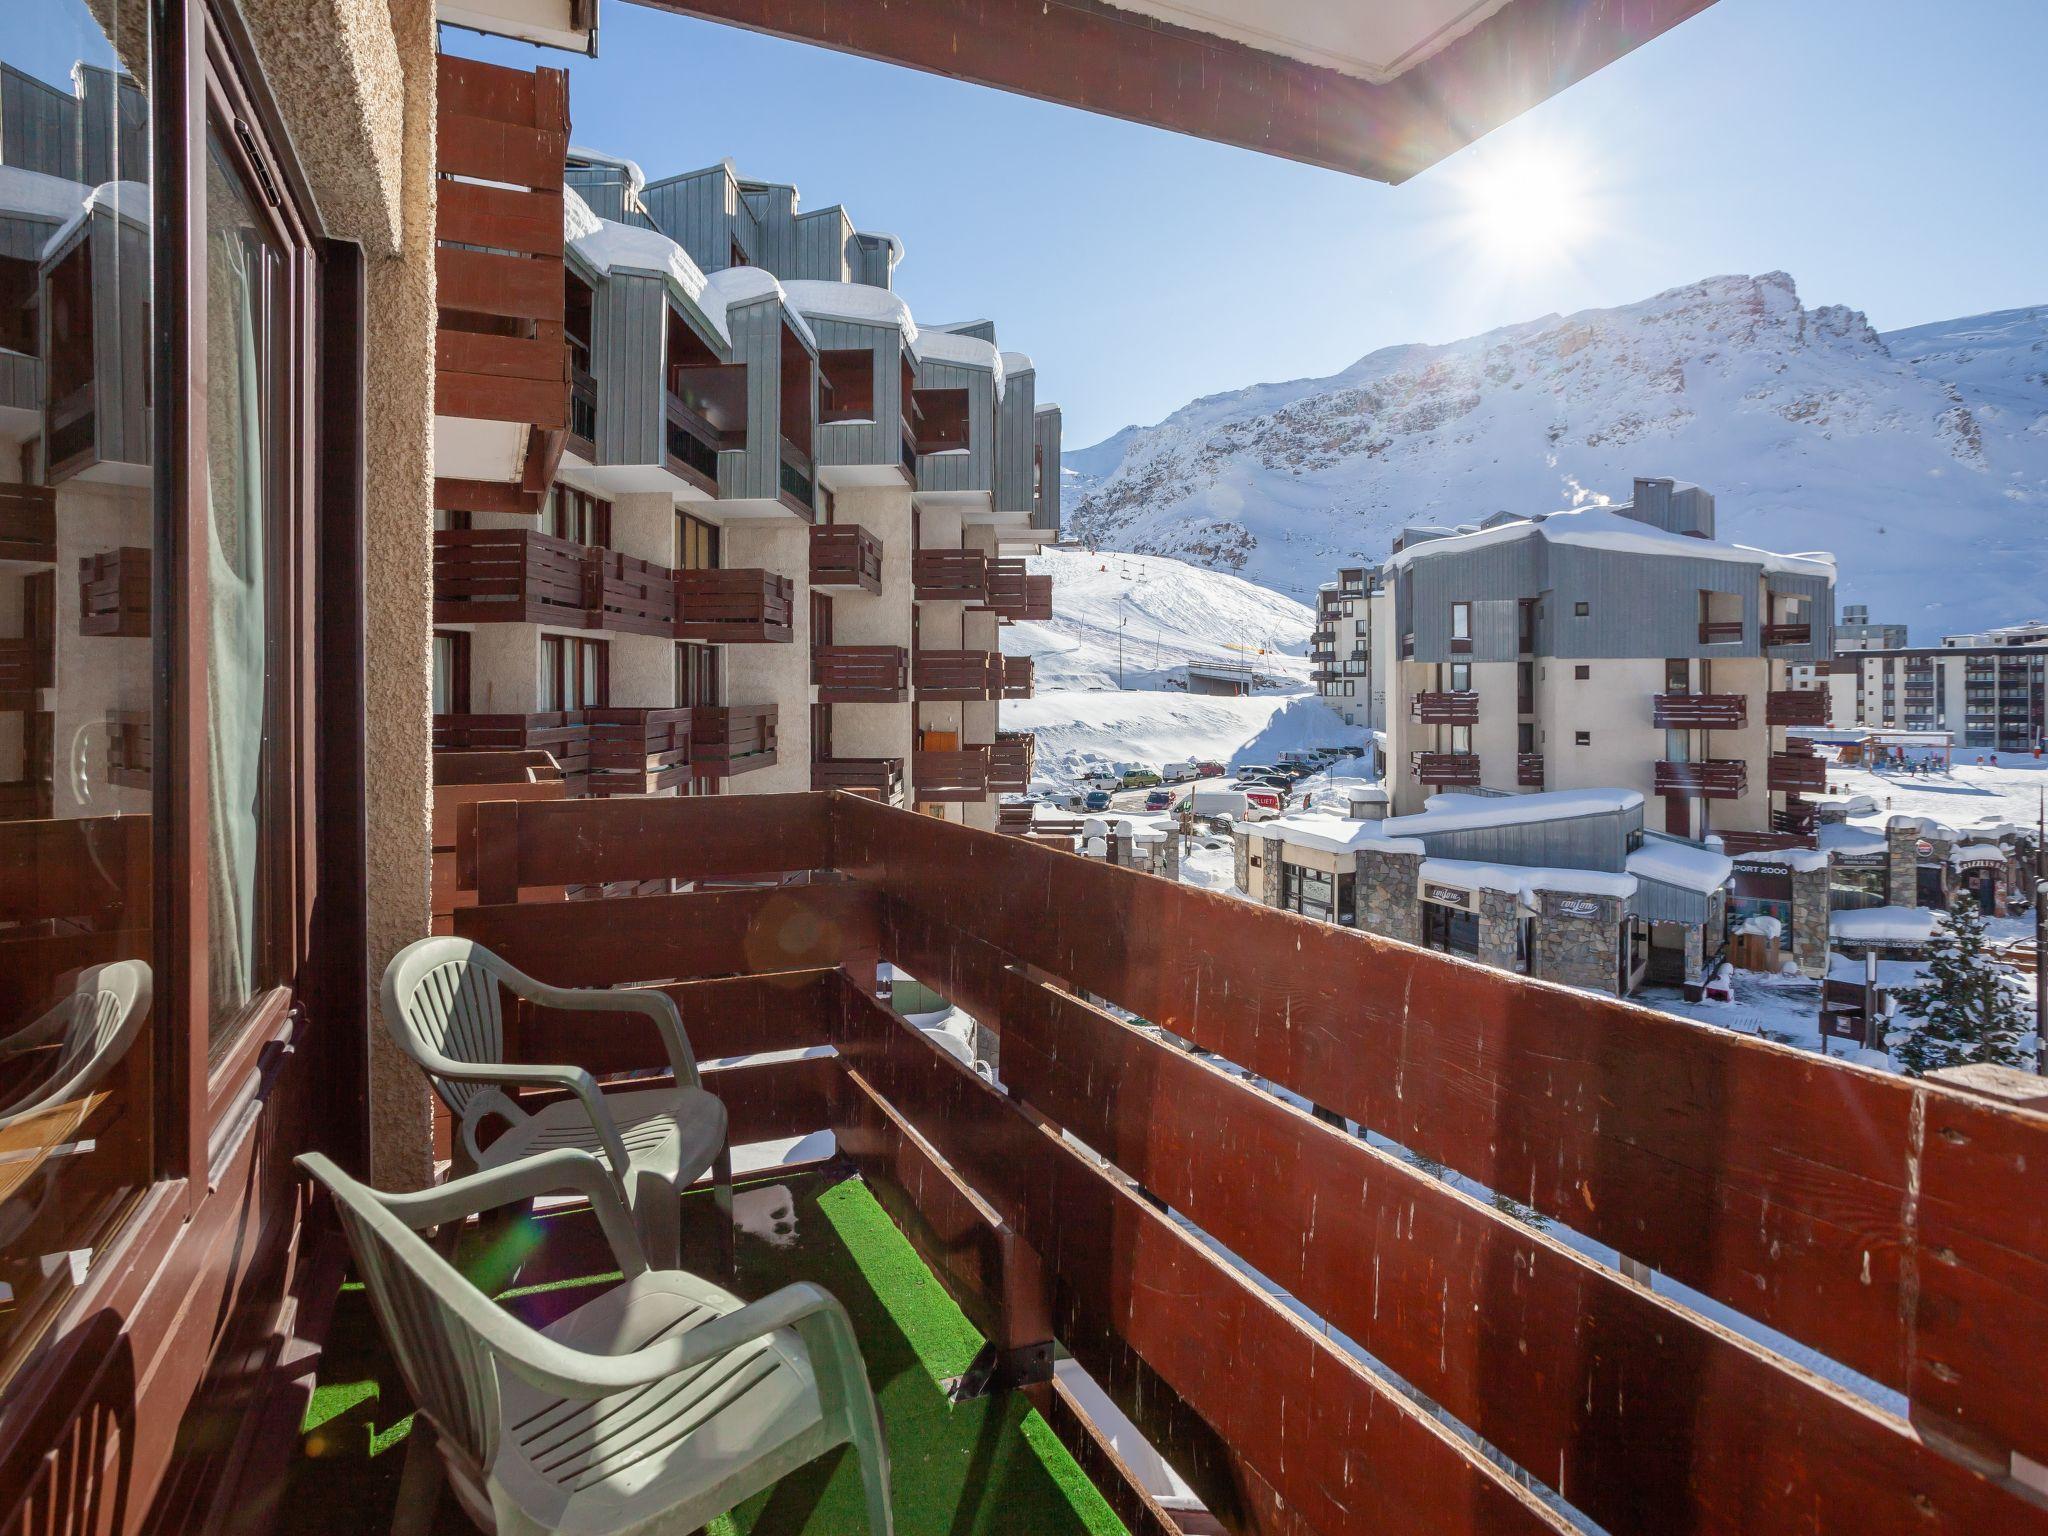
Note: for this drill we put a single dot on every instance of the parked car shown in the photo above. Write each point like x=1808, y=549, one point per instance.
x=1159, y=800
x=1178, y=773
x=1211, y=770
x=1143, y=778
x=1098, y=800
x=1252, y=770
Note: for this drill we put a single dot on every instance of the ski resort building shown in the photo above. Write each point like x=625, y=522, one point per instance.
x=315, y=340
x=1618, y=647
x=1350, y=655
x=1990, y=694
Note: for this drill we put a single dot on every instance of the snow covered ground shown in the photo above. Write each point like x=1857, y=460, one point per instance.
x=1145, y=617
x=1972, y=792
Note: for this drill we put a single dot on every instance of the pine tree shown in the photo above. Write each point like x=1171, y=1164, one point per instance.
x=1967, y=1007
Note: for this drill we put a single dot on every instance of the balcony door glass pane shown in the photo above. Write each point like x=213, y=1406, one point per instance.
x=243, y=270
x=79, y=701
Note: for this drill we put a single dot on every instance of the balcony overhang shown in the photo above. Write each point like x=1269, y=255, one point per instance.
x=1378, y=91
x=569, y=24
x=851, y=477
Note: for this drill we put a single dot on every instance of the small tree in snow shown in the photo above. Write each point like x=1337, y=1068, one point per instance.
x=1967, y=1010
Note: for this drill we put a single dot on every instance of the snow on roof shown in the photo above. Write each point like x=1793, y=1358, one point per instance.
x=1523, y=879
x=37, y=196
x=858, y=302
x=1845, y=840
x=578, y=222
x=1802, y=859
x=1977, y=853
x=1331, y=833
x=636, y=179
x=124, y=199
x=745, y=285
x=1369, y=794
x=894, y=243
x=968, y=351
x=1138, y=829
x=1018, y=362
x=1459, y=813
x=1601, y=528
x=1885, y=925
x=1682, y=865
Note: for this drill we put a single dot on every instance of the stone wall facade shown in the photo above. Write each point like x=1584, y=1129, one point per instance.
x=1901, y=865
x=1578, y=950
x=1386, y=895
x=1500, y=921
x=1241, y=859
x=1810, y=920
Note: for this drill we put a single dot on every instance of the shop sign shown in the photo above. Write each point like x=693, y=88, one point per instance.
x=1578, y=906
x=1447, y=895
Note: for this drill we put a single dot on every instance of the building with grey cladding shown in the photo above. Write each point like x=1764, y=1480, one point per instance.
x=1618, y=646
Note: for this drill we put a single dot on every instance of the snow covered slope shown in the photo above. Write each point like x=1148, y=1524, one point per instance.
x=1921, y=458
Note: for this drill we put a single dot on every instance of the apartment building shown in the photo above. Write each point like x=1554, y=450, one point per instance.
x=783, y=522
x=1618, y=647
x=1349, y=650
x=1988, y=690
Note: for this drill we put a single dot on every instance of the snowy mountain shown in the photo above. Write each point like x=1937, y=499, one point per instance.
x=1920, y=457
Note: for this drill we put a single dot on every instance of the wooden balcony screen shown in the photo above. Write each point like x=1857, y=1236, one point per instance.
x=1460, y=708
x=1796, y=706
x=113, y=593
x=845, y=554
x=739, y=606
x=1734, y=843
x=1788, y=634
x=1457, y=768
x=1720, y=631
x=26, y=664
x=1529, y=770
x=510, y=576
x=28, y=523
x=950, y=575
x=564, y=735
x=957, y=674
x=861, y=674
x=1037, y=598
x=1011, y=762
x=74, y=891
x=638, y=751
x=1008, y=587
x=1699, y=711
x=634, y=597
x=950, y=776
x=501, y=352
x=879, y=778
x=1796, y=771
x=1016, y=676
x=732, y=738
x=1891, y=1224
x=1712, y=778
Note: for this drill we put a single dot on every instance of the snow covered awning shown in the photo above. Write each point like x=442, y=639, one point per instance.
x=1439, y=876
x=1885, y=925
x=1977, y=854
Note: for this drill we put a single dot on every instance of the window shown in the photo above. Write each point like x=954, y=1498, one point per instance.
x=1461, y=738
x=1582, y=673
x=1460, y=676
x=1582, y=738
x=697, y=675
x=451, y=672
x=1453, y=930
x=1525, y=737
x=1677, y=675
x=697, y=544
x=574, y=674
x=579, y=517
x=1581, y=610
x=1461, y=621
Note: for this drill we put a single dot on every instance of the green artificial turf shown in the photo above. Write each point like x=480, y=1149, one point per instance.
x=983, y=1466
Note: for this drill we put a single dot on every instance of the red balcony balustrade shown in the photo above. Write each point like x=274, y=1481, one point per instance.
x=958, y=675
x=1016, y=677
x=950, y=776
x=1529, y=770
x=1734, y=843
x=28, y=524
x=1447, y=768
x=563, y=735
x=638, y=751
x=1797, y=771
x=1788, y=634
x=509, y=576
x=1699, y=711
x=878, y=778
x=1720, y=631
x=1461, y=708
x=1798, y=816
x=861, y=674
x=26, y=664
x=729, y=739
x=1037, y=599
x=1009, y=587
x=845, y=555
x=1796, y=706
x=113, y=593
x=635, y=597
x=950, y=575
x=1712, y=778
x=734, y=607
x=1011, y=762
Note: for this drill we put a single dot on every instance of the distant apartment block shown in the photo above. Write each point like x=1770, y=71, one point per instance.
x=1349, y=650
x=1989, y=691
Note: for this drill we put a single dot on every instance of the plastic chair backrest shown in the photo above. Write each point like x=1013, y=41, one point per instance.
x=442, y=994
x=107, y=1006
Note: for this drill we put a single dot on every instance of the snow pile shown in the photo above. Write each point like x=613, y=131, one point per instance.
x=1595, y=528
x=1524, y=880
x=1327, y=833
x=1463, y=813
x=1681, y=864
x=1884, y=925
x=858, y=302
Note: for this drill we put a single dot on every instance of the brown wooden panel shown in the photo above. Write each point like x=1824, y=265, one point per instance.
x=1774, y=1180
x=502, y=357
x=1646, y=1418
x=503, y=152
x=485, y=283
x=1299, y=1436
x=683, y=838
x=676, y=938
x=541, y=403
x=458, y=495
x=503, y=218
x=94, y=868
x=725, y=1016
x=1109, y=1472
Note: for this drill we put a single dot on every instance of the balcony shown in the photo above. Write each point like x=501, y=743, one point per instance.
x=1799, y=817
x=1796, y=706
x=741, y=606
x=728, y=739
x=878, y=778
x=1016, y=677
x=563, y=735
x=1720, y=632
x=113, y=593
x=509, y=576
x=26, y=664
x=845, y=555
x=1699, y=711
x=1014, y=593
x=950, y=575
x=861, y=674
x=28, y=524
x=1797, y=772
x=1529, y=770
x=634, y=597
x=1011, y=763
x=1712, y=778
x=1706, y=1157
x=690, y=445
x=1788, y=634
x=1447, y=769
x=582, y=414
x=1461, y=708
x=796, y=479
x=950, y=776
x=1736, y=843
x=638, y=751
x=962, y=675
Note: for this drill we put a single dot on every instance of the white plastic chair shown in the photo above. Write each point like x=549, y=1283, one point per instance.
x=442, y=1006
x=652, y=1408
x=92, y=1028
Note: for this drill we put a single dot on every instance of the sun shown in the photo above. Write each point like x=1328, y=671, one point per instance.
x=1525, y=205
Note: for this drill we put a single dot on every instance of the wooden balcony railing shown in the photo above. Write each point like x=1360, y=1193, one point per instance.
x=844, y=555
x=739, y=606
x=1797, y=771
x=1011, y=763
x=1788, y=634
x=1009, y=591
x=1037, y=599
x=1796, y=706
x=1735, y=843
x=1799, y=816
x=732, y=738
x=796, y=479
x=638, y=751
x=1529, y=770
x=861, y=674
x=950, y=575
x=27, y=664
x=1016, y=677
x=690, y=444
x=958, y=674
x=1712, y=778
x=879, y=778
x=564, y=736
x=113, y=593
x=582, y=413
x=950, y=776
x=1460, y=708
x=28, y=523
x=1720, y=1162
x=509, y=576
x=1449, y=768
x=1699, y=711
x=635, y=597
x=1720, y=631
